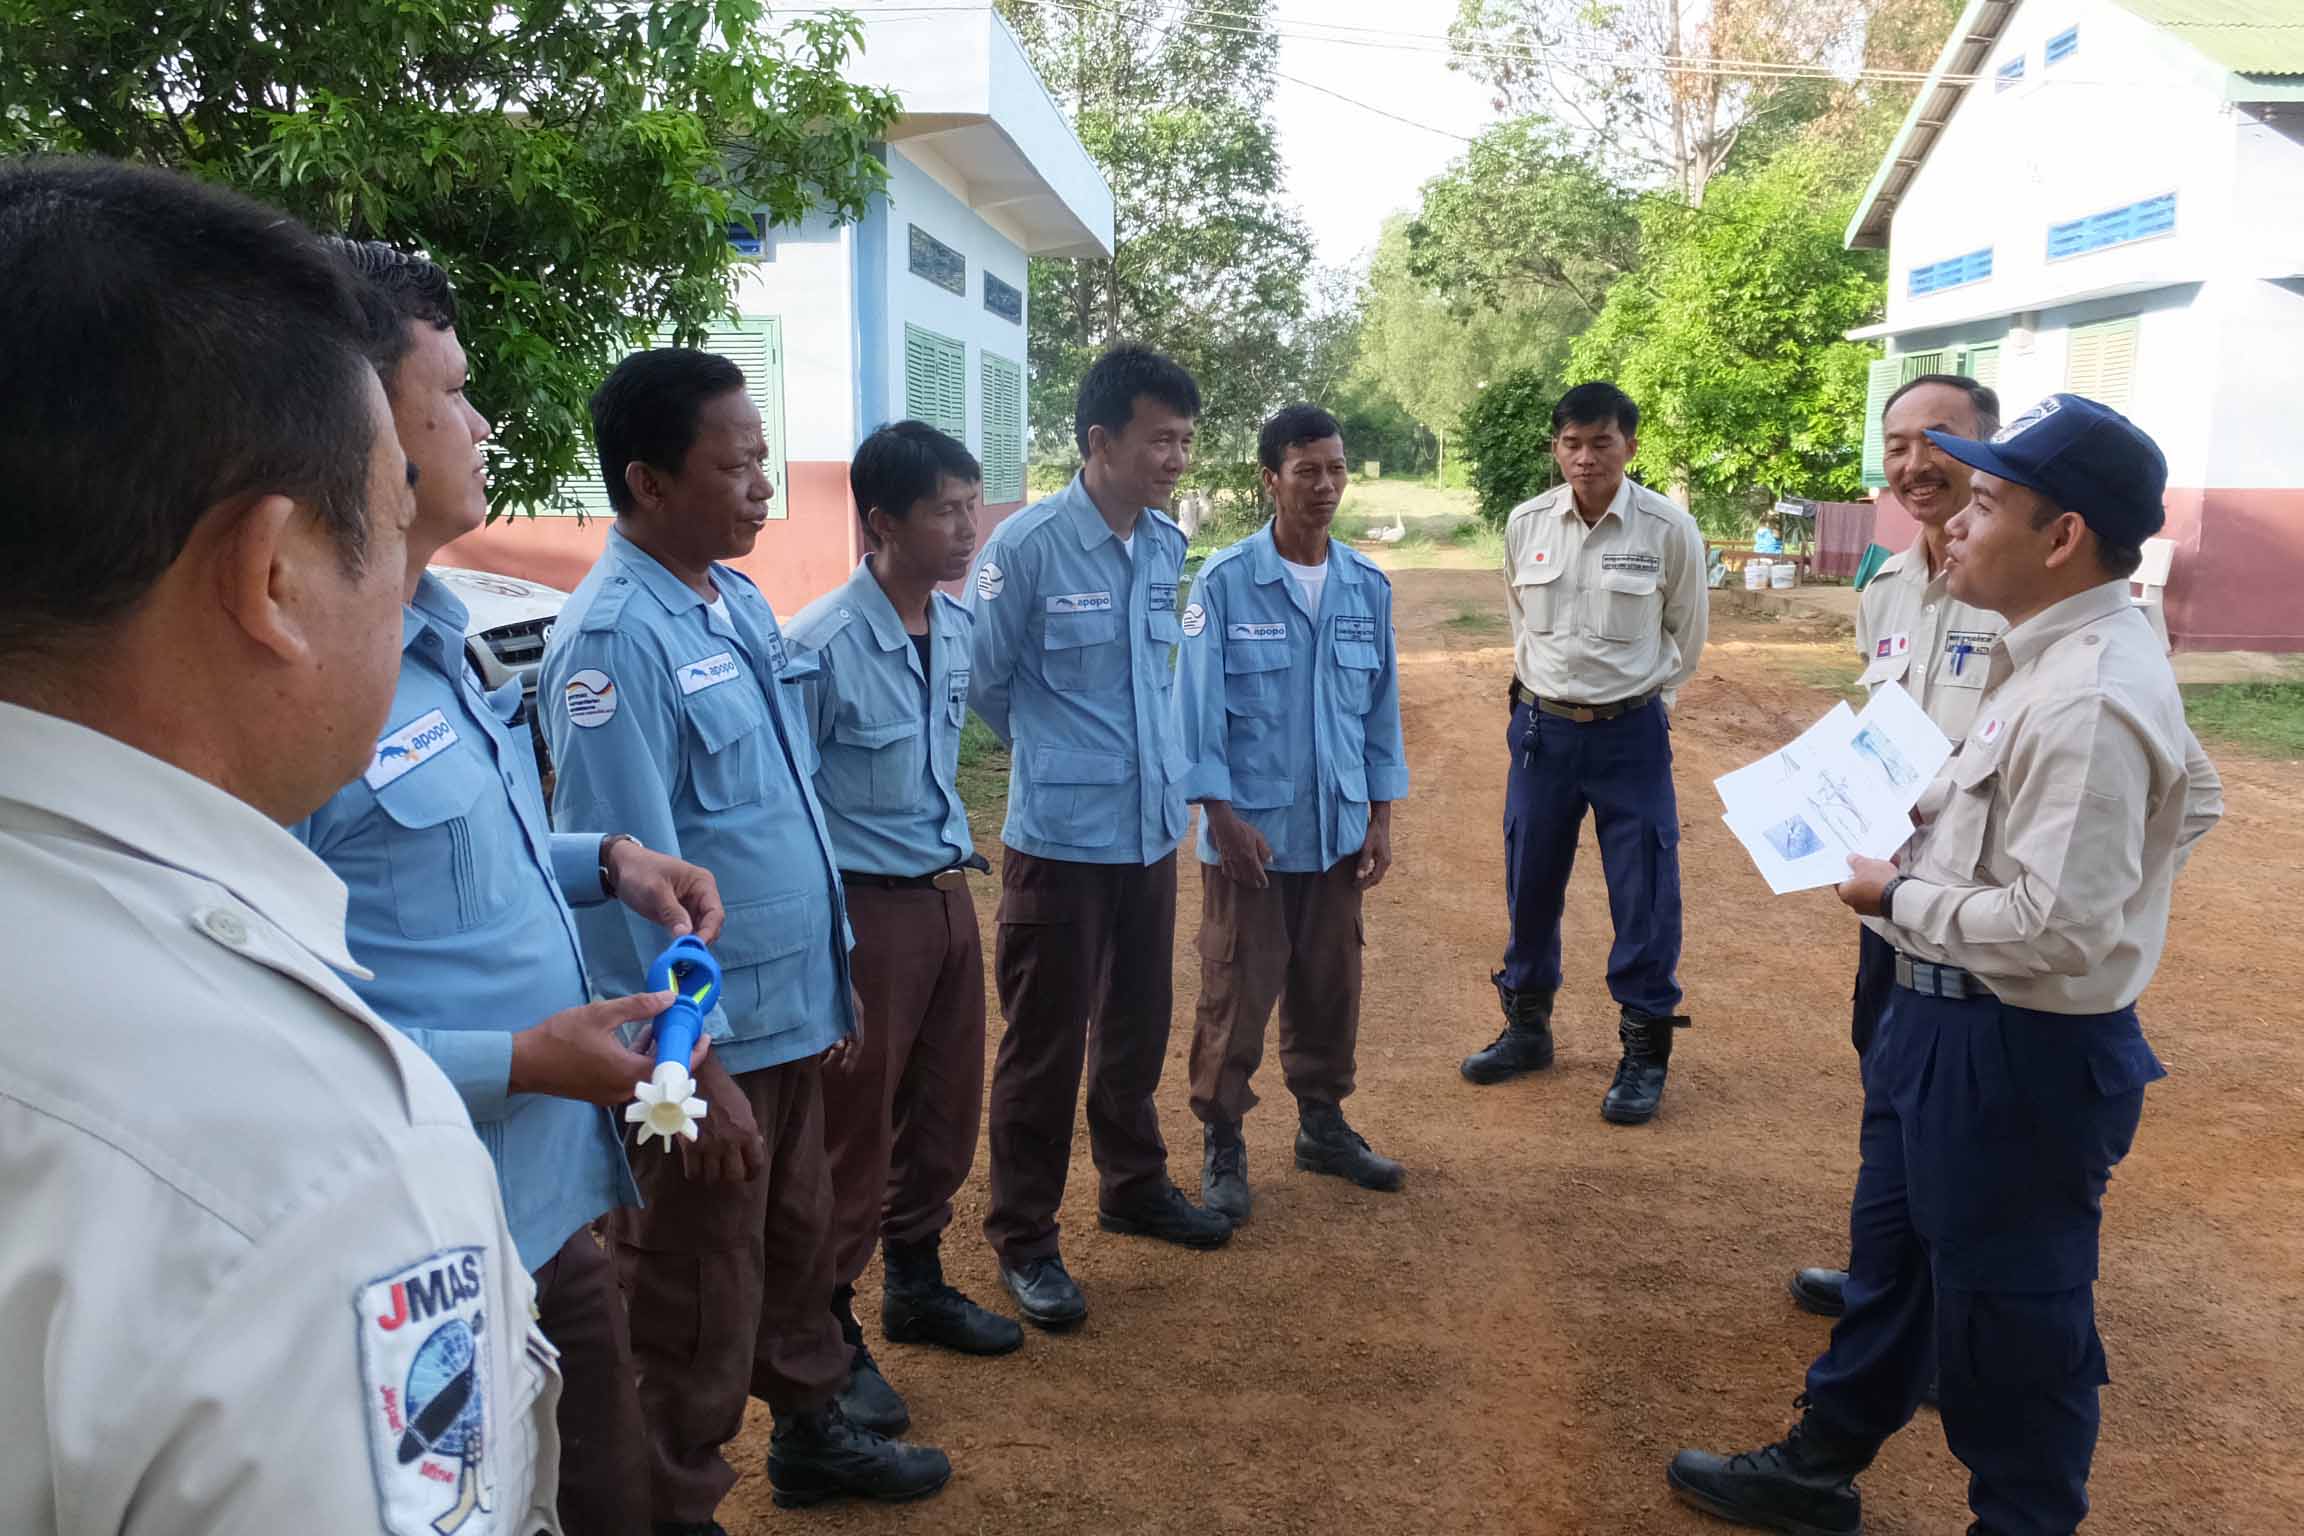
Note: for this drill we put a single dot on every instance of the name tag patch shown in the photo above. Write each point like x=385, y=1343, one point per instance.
x=1632, y=560
x=409, y=748
x=424, y=1392
x=711, y=672
x=1163, y=594
x=1892, y=645
x=1355, y=627
x=591, y=699
x=1960, y=644
x=956, y=686
x=1085, y=602
x=1256, y=631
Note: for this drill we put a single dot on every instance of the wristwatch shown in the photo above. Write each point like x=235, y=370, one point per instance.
x=607, y=879
x=1888, y=896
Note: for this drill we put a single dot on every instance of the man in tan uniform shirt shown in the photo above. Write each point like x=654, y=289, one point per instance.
x=256, y=1275
x=2027, y=916
x=1604, y=583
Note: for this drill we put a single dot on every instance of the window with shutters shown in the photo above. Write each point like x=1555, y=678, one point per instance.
x=1982, y=364
x=2063, y=45
x=755, y=344
x=2011, y=74
x=1882, y=377
x=1913, y=364
x=2101, y=361
x=2114, y=226
x=1003, y=431
x=936, y=381
x=1953, y=272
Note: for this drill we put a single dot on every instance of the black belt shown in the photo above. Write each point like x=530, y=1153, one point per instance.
x=953, y=879
x=1583, y=714
x=1930, y=979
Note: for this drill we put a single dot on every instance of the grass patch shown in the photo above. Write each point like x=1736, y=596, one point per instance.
x=1481, y=539
x=1476, y=621
x=2266, y=718
x=983, y=779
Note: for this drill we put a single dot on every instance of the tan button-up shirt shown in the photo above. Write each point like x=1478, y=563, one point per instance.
x=1910, y=630
x=255, y=1274
x=1606, y=612
x=2052, y=838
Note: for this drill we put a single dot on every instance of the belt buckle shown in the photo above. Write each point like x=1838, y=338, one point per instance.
x=1583, y=714
x=949, y=879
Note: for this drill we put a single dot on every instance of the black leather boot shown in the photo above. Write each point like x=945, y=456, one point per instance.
x=817, y=1456
x=1819, y=1291
x=1639, y=1085
x=1326, y=1144
x=1224, y=1172
x=917, y=1307
x=1525, y=1045
x=1169, y=1217
x=866, y=1399
x=1804, y=1484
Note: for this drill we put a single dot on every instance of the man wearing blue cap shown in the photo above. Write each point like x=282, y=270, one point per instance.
x=2008, y=1074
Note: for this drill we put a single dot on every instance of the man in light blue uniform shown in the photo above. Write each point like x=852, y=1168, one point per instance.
x=668, y=718
x=883, y=662
x=1288, y=706
x=459, y=906
x=1076, y=635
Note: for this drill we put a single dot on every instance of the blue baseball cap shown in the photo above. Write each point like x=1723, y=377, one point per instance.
x=2085, y=457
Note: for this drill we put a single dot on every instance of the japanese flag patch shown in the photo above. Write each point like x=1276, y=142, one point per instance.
x=1540, y=557
x=1989, y=731
x=424, y=1352
x=1892, y=645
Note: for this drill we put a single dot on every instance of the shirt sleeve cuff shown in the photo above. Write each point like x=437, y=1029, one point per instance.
x=1208, y=781
x=478, y=1065
x=576, y=865
x=1387, y=783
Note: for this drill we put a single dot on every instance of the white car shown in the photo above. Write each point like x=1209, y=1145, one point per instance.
x=510, y=621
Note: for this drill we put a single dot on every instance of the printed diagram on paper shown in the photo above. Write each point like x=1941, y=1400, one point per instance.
x=1846, y=785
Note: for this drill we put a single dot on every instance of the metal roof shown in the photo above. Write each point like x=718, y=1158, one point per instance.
x=2248, y=37
x=1971, y=43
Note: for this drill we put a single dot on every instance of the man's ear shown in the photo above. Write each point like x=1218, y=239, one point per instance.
x=644, y=485
x=1271, y=485
x=263, y=565
x=1631, y=446
x=2068, y=539
x=1099, y=441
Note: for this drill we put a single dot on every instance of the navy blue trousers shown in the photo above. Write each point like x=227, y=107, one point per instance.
x=1875, y=981
x=1989, y=1134
x=1622, y=770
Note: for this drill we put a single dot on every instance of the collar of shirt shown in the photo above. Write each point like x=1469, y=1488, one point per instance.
x=158, y=810
x=1914, y=560
x=871, y=600
x=1263, y=557
x=1618, y=505
x=652, y=574
x=1088, y=523
x=2030, y=640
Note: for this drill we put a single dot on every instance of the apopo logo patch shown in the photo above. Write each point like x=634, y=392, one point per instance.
x=401, y=752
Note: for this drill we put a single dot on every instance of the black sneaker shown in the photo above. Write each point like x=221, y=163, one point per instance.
x=868, y=1401
x=1044, y=1292
x=817, y=1456
x=917, y=1307
x=1224, y=1173
x=1171, y=1218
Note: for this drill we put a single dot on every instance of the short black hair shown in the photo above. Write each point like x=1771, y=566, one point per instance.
x=1291, y=425
x=902, y=464
x=411, y=290
x=1109, y=390
x=1983, y=397
x=166, y=348
x=2114, y=560
x=645, y=411
x=1594, y=404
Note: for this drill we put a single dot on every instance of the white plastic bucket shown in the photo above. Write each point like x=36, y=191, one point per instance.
x=1784, y=574
x=1755, y=575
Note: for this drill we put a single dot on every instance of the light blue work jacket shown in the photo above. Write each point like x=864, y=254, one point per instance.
x=459, y=905
x=1075, y=659
x=1291, y=716
x=668, y=719
x=887, y=735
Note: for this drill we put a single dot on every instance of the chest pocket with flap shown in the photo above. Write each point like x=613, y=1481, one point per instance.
x=448, y=852
x=730, y=744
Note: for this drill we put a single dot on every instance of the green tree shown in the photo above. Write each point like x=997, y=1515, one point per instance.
x=1523, y=220
x=1507, y=435
x=1209, y=261
x=575, y=165
x=1730, y=336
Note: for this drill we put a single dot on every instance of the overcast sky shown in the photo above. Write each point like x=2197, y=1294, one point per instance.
x=1348, y=168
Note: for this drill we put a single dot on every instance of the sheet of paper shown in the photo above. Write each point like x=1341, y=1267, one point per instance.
x=1846, y=786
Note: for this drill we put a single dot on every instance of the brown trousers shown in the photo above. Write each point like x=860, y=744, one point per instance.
x=730, y=1288
x=603, y=1464
x=1083, y=961
x=1296, y=943
x=902, y=1115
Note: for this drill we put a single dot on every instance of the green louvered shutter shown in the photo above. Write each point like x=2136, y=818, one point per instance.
x=1882, y=377
x=1914, y=364
x=1003, y=431
x=1982, y=364
x=936, y=381
x=755, y=344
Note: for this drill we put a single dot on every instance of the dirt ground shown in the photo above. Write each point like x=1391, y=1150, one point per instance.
x=1519, y=1341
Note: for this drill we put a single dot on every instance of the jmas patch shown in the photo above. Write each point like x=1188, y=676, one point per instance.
x=1639, y=561
x=1350, y=626
x=424, y=1380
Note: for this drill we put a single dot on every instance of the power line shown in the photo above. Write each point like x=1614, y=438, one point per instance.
x=1353, y=101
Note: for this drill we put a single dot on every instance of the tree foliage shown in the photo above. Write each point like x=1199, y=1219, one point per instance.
x=1522, y=220
x=575, y=165
x=1507, y=435
x=1666, y=88
x=1730, y=336
x=1210, y=261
